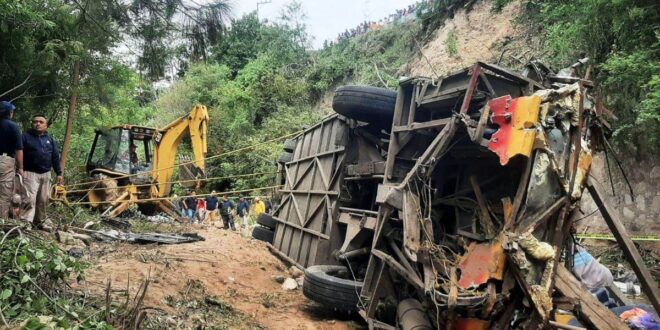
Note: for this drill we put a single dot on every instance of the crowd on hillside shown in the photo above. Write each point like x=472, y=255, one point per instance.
x=401, y=15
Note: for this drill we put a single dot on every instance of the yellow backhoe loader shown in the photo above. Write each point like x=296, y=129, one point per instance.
x=135, y=165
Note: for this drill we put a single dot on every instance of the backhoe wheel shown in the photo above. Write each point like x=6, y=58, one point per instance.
x=332, y=286
x=263, y=234
x=285, y=157
x=267, y=221
x=290, y=145
x=365, y=103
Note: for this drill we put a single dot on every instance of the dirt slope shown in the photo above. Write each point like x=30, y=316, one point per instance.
x=226, y=266
x=480, y=35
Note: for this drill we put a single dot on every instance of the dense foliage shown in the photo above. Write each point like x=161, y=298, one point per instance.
x=622, y=38
x=34, y=273
x=262, y=82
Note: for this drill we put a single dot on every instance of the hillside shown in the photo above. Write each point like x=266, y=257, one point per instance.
x=477, y=34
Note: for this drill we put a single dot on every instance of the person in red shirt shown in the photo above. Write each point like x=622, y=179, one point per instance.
x=201, y=210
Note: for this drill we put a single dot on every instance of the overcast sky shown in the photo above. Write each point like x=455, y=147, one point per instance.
x=325, y=19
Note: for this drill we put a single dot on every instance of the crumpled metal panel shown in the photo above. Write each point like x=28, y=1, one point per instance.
x=517, y=120
x=480, y=263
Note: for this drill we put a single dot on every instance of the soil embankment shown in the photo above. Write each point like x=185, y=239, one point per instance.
x=225, y=269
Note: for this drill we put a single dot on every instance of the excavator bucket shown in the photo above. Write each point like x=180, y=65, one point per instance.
x=190, y=175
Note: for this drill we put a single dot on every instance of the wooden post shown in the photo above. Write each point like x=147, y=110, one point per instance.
x=71, y=114
x=627, y=246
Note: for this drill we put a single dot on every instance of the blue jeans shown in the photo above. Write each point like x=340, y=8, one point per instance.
x=190, y=213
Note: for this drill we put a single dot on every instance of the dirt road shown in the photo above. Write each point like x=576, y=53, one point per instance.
x=222, y=282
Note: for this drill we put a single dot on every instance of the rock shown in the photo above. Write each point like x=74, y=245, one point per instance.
x=655, y=172
x=278, y=278
x=289, y=284
x=85, y=238
x=656, y=203
x=641, y=188
x=295, y=272
x=231, y=279
x=628, y=213
x=76, y=252
x=300, y=281
x=627, y=199
x=640, y=203
x=67, y=238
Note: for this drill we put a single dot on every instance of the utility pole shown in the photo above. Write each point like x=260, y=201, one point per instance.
x=262, y=2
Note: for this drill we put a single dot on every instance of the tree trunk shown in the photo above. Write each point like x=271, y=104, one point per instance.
x=71, y=114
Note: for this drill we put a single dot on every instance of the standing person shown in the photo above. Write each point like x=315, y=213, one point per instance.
x=243, y=210
x=189, y=206
x=201, y=209
x=11, y=156
x=269, y=206
x=40, y=157
x=225, y=212
x=212, y=208
x=177, y=203
x=259, y=206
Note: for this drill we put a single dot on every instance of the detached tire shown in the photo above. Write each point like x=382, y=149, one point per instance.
x=332, y=286
x=289, y=145
x=285, y=157
x=267, y=221
x=263, y=234
x=365, y=103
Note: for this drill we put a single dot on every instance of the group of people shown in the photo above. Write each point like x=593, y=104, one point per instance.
x=26, y=162
x=401, y=15
x=210, y=209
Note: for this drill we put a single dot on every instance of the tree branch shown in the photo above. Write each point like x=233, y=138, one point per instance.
x=17, y=86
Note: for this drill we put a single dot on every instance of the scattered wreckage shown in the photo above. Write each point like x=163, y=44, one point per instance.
x=450, y=203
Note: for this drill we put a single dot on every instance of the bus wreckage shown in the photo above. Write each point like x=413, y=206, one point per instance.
x=450, y=203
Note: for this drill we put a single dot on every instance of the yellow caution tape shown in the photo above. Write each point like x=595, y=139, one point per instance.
x=611, y=237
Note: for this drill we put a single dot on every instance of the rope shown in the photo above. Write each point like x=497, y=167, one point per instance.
x=178, y=181
x=185, y=196
x=193, y=161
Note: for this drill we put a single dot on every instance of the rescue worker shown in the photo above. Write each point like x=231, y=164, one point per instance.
x=225, y=212
x=259, y=206
x=133, y=155
x=40, y=157
x=11, y=156
x=243, y=210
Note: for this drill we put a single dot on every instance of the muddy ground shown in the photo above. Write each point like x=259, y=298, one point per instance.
x=225, y=281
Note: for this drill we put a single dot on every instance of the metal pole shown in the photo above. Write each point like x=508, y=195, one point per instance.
x=262, y=3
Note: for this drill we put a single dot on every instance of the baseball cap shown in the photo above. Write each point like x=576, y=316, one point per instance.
x=6, y=106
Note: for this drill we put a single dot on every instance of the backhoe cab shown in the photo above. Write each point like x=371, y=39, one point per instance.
x=135, y=164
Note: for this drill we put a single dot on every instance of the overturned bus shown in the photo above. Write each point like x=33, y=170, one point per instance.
x=448, y=203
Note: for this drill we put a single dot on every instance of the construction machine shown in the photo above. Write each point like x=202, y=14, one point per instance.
x=132, y=164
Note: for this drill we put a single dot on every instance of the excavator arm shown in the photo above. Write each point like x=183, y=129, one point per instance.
x=167, y=139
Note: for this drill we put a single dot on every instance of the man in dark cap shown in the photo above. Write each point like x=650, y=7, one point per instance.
x=11, y=155
x=41, y=156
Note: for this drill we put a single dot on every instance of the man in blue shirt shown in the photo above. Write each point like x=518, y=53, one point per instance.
x=211, y=208
x=40, y=157
x=11, y=156
x=225, y=212
x=243, y=211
